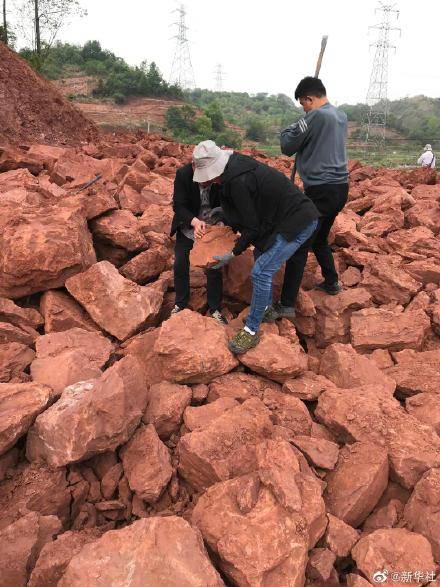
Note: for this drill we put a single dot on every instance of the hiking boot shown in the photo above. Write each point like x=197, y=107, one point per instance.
x=329, y=288
x=276, y=311
x=218, y=317
x=176, y=310
x=243, y=341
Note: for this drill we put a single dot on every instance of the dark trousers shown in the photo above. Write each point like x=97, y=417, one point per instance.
x=330, y=200
x=214, y=277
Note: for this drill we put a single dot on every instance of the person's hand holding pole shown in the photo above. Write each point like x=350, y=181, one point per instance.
x=199, y=227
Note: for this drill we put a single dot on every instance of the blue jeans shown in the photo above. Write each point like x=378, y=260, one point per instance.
x=265, y=267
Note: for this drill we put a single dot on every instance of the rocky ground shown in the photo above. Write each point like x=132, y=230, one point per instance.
x=137, y=450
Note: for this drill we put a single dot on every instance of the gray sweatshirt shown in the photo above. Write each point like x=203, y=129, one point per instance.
x=319, y=140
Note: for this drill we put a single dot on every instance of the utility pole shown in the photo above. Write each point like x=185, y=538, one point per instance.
x=218, y=77
x=375, y=119
x=182, y=73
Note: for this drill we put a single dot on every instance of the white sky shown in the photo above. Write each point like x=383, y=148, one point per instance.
x=270, y=46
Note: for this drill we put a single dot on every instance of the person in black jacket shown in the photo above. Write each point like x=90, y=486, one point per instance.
x=194, y=207
x=269, y=212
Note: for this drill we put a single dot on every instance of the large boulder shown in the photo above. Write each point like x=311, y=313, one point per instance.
x=41, y=248
x=166, y=404
x=357, y=483
x=118, y=305
x=14, y=359
x=394, y=553
x=64, y=358
x=239, y=386
x=163, y=551
x=387, y=283
x=119, y=228
x=377, y=328
x=147, y=265
x=21, y=544
x=147, y=464
x=426, y=408
x=20, y=404
x=91, y=417
x=226, y=447
x=368, y=415
x=275, y=357
x=61, y=312
x=193, y=349
x=422, y=512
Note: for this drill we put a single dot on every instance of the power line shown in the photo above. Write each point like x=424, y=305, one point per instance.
x=182, y=73
x=375, y=119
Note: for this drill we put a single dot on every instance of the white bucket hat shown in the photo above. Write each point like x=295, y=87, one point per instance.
x=209, y=161
x=428, y=147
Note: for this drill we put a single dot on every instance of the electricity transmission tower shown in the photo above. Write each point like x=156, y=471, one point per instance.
x=182, y=72
x=375, y=119
x=218, y=77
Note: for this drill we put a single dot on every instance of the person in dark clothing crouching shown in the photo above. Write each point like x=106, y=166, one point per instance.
x=268, y=211
x=194, y=206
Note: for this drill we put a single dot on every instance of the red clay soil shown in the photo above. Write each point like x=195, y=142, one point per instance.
x=33, y=110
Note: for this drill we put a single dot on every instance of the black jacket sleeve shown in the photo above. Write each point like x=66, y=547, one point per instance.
x=246, y=214
x=181, y=200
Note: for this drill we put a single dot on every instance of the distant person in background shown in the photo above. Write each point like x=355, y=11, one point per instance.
x=319, y=142
x=427, y=158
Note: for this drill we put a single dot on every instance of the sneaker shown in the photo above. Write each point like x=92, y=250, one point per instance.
x=276, y=311
x=329, y=288
x=218, y=317
x=243, y=341
x=176, y=310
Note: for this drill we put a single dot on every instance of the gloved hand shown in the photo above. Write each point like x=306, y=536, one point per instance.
x=222, y=260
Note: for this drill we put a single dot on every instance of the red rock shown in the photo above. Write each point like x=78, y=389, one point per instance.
x=118, y=305
x=351, y=276
x=200, y=392
x=81, y=424
x=147, y=464
x=239, y=386
x=56, y=555
x=344, y=231
x=422, y=513
x=342, y=365
x=119, y=228
x=21, y=544
x=142, y=348
x=157, y=219
x=357, y=581
x=14, y=359
x=197, y=418
x=159, y=190
x=226, y=447
x=146, y=266
x=320, y=565
x=193, y=349
x=64, y=358
x=376, y=328
x=165, y=407
x=288, y=411
x=414, y=243
x=76, y=169
x=137, y=176
x=387, y=516
x=217, y=240
x=10, y=333
x=22, y=317
x=424, y=270
x=31, y=488
x=368, y=416
x=340, y=537
x=308, y=386
x=96, y=201
x=396, y=551
x=39, y=251
x=414, y=377
x=110, y=481
x=61, y=313
x=17, y=178
x=47, y=154
x=424, y=213
x=382, y=358
x=381, y=223
x=426, y=192
x=425, y=407
x=276, y=358
x=176, y=557
x=388, y=283
x=20, y=404
x=319, y=452
x=356, y=485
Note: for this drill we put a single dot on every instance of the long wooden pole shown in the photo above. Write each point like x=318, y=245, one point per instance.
x=321, y=55
x=37, y=28
x=5, y=23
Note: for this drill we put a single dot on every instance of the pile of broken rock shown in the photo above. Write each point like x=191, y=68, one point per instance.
x=135, y=449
